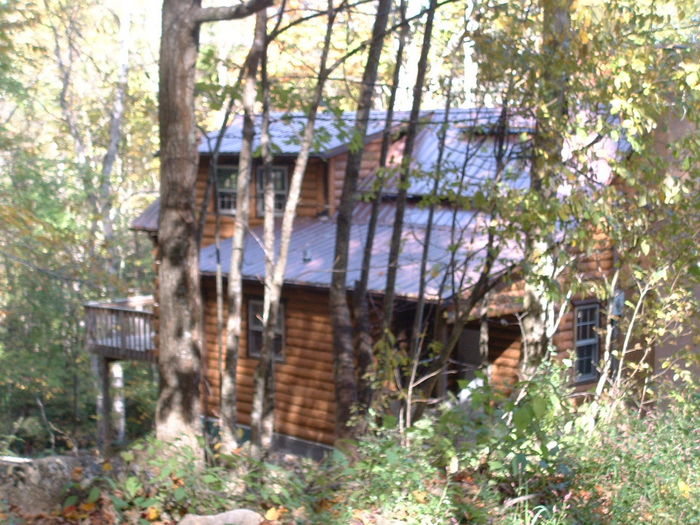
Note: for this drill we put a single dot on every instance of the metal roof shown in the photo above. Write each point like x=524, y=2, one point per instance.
x=312, y=251
x=333, y=131
x=148, y=220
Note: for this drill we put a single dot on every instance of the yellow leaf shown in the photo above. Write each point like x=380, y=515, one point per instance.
x=421, y=496
x=275, y=513
x=88, y=507
x=684, y=488
x=107, y=466
x=152, y=514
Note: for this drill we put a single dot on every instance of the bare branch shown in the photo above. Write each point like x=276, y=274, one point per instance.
x=212, y=14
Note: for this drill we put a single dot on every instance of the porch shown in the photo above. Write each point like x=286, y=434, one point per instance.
x=121, y=329
x=116, y=331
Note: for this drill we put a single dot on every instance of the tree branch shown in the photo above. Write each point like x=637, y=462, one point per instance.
x=212, y=14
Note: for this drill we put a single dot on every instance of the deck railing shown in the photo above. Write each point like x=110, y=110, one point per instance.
x=121, y=329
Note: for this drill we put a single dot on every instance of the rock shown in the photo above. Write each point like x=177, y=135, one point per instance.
x=35, y=486
x=232, y=517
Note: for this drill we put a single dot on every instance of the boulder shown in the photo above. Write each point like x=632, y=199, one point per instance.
x=232, y=517
x=35, y=486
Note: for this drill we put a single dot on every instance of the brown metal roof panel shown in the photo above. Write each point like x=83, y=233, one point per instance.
x=312, y=250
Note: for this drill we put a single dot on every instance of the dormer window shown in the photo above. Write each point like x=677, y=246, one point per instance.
x=279, y=182
x=226, y=183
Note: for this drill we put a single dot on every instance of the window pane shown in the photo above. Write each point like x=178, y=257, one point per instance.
x=227, y=177
x=255, y=341
x=586, y=340
x=256, y=310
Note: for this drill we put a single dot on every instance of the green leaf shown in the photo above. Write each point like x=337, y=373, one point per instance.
x=70, y=501
x=522, y=417
x=539, y=407
x=389, y=422
x=94, y=495
x=179, y=494
x=118, y=502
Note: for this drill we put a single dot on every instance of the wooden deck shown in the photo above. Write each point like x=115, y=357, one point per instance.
x=122, y=329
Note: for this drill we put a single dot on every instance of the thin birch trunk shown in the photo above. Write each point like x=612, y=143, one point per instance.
x=229, y=438
x=262, y=413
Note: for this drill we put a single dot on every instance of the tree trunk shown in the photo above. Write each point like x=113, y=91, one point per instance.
x=345, y=383
x=363, y=336
x=411, y=132
x=235, y=282
x=180, y=323
x=547, y=145
x=418, y=331
x=262, y=414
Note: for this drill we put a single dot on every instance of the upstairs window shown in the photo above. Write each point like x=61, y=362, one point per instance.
x=279, y=182
x=226, y=183
x=255, y=329
x=587, y=342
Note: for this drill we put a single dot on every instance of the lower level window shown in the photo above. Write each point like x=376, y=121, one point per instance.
x=587, y=342
x=255, y=330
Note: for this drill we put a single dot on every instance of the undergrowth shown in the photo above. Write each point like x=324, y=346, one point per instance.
x=538, y=458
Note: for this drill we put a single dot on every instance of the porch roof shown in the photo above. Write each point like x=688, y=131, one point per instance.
x=455, y=255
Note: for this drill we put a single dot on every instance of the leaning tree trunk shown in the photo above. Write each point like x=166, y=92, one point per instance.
x=180, y=323
x=235, y=278
x=345, y=383
x=363, y=337
x=412, y=131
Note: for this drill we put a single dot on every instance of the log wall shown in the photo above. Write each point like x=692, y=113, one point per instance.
x=338, y=165
x=304, y=388
x=504, y=353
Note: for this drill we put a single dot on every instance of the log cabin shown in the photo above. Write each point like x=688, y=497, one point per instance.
x=304, y=388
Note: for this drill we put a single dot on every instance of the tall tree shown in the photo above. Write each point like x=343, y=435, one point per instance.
x=180, y=329
x=363, y=336
x=345, y=381
x=411, y=132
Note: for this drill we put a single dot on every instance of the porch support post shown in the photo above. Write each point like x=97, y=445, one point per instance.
x=442, y=336
x=117, y=373
x=104, y=416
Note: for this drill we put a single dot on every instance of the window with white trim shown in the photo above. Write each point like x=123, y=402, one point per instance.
x=226, y=183
x=255, y=329
x=279, y=183
x=587, y=319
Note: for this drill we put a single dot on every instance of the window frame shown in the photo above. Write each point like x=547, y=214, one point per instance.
x=231, y=192
x=280, y=331
x=260, y=189
x=594, y=340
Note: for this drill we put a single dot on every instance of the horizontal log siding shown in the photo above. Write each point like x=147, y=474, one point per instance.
x=312, y=201
x=370, y=163
x=304, y=389
x=504, y=353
